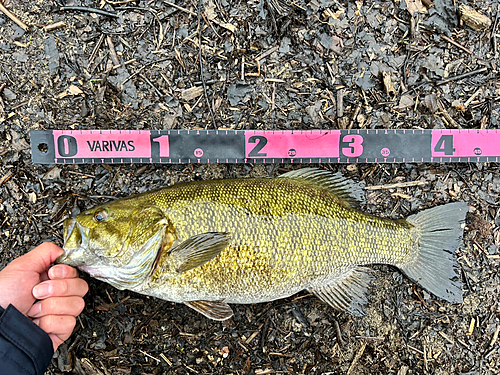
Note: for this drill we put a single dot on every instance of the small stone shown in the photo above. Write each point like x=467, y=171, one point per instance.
x=9, y=95
x=492, y=249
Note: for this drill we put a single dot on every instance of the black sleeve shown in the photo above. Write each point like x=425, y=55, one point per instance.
x=24, y=347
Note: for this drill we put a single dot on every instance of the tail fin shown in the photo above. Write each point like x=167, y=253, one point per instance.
x=435, y=267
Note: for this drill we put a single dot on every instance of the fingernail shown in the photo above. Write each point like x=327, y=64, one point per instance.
x=35, y=310
x=56, y=272
x=42, y=290
x=36, y=321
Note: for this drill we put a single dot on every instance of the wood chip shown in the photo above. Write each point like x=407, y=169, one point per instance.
x=54, y=26
x=473, y=18
x=388, y=85
x=356, y=358
x=192, y=93
x=471, y=326
x=495, y=335
x=397, y=185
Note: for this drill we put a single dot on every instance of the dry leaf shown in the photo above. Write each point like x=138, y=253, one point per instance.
x=415, y=6
x=52, y=174
x=71, y=90
x=228, y=26
x=210, y=10
x=406, y=101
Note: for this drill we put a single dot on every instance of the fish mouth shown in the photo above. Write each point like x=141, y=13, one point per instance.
x=75, y=239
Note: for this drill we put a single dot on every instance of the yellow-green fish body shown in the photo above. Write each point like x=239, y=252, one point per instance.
x=210, y=243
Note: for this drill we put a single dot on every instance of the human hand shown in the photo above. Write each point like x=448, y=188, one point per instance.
x=59, y=291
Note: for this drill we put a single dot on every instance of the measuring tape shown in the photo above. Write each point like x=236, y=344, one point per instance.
x=264, y=146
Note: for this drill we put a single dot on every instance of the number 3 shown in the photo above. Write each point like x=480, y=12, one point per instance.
x=355, y=143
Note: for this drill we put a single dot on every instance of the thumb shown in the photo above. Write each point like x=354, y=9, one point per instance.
x=42, y=256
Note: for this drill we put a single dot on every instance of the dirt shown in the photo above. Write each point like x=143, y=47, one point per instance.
x=266, y=65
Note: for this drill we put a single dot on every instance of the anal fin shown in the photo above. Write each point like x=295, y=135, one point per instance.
x=216, y=310
x=347, y=293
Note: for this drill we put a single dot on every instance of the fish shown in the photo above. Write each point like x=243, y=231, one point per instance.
x=212, y=243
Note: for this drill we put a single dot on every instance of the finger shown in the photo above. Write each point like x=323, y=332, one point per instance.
x=60, y=288
x=59, y=325
x=58, y=339
x=41, y=257
x=62, y=271
x=57, y=306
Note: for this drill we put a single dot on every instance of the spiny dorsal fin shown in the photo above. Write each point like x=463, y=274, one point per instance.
x=347, y=293
x=216, y=310
x=198, y=250
x=344, y=188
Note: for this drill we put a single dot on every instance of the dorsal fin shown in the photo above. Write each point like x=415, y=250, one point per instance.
x=348, y=190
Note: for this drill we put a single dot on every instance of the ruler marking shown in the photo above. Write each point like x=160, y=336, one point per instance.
x=267, y=146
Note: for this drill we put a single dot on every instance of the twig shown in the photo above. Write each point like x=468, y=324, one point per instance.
x=460, y=76
x=447, y=115
x=405, y=68
x=449, y=40
x=446, y=338
x=339, y=333
x=6, y=177
x=415, y=349
x=180, y=8
x=267, y=53
x=90, y=10
x=494, y=33
x=200, y=5
x=397, y=185
x=169, y=57
x=273, y=98
x=16, y=20
x=112, y=51
x=94, y=51
x=473, y=96
x=151, y=84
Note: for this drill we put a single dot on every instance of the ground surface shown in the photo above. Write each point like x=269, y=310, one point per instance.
x=314, y=64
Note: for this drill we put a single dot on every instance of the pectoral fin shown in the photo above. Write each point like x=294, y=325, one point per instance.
x=198, y=250
x=216, y=310
x=347, y=293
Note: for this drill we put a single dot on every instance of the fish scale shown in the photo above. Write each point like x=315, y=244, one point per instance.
x=210, y=243
x=300, y=236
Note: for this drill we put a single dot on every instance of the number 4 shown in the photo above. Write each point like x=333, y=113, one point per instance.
x=445, y=144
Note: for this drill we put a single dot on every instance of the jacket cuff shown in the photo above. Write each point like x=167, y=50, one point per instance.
x=23, y=342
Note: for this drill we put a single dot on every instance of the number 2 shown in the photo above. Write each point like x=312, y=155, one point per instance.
x=261, y=142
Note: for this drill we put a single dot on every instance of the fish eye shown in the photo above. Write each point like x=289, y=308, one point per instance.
x=100, y=216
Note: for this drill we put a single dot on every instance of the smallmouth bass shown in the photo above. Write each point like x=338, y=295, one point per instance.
x=210, y=243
